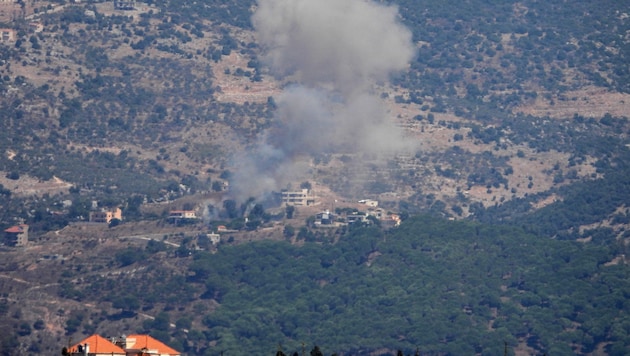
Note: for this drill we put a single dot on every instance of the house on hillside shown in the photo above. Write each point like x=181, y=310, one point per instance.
x=214, y=238
x=106, y=215
x=182, y=217
x=390, y=220
x=369, y=202
x=95, y=345
x=7, y=35
x=124, y=4
x=357, y=217
x=387, y=219
x=324, y=218
x=144, y=345
x=16, y=235
x=131, y=345
x=182, y=214
x=36, y=26
x=298, y=198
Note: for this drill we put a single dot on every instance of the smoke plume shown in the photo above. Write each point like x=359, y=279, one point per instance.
x=334, y=51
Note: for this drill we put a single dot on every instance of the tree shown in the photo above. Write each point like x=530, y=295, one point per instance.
x=39, y=325
x=217, y=186
x=129, y=256
x=24, y=329
x=257, y=212
x=290, y=210
x=115, y=222
x=154, y=246
x=183, y=323
x=161, y=322
x=133, y=206
x=230, y=208
x=73, y=323
x=316, y=351
x=34, y=42
x=128, y=303
x=289, y=231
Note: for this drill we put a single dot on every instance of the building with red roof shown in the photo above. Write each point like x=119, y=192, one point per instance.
x=132, y=345
x=141, y=345
x=95, y=345
x=16, y=235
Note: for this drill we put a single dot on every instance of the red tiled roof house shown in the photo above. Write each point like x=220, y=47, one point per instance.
x=132, y=345
x=95, y=345
x=141, y=345
x=16, y=235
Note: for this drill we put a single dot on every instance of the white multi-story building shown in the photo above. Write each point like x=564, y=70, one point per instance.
x=298, y=198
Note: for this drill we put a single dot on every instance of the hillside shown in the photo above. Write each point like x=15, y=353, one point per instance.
x=496, y=113
x=149, y=94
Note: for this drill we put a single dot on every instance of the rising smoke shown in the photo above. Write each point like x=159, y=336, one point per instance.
x=334, y=51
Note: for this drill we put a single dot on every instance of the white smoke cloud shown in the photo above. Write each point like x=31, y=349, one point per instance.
x=343, y=43
x=334, y=51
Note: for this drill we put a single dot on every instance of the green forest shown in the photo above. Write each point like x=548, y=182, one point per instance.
x=457, y=288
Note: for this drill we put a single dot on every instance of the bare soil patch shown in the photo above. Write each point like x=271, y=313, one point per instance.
x=589, y=102
x=8, y=11
x=240, y=89
x=28, y=186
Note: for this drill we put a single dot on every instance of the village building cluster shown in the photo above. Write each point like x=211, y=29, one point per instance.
x=365, y=212
x=329, y=219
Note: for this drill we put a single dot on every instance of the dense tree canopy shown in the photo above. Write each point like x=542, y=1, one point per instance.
x=445, y=287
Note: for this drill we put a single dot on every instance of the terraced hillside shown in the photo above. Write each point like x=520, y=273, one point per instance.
x=516, y=113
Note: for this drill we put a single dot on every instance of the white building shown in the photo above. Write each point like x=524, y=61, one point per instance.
x=298, y=198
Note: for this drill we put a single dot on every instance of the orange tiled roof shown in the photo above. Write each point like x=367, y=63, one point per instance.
x=15, y=229
x=146, y=341
x=99, y=345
